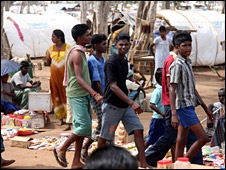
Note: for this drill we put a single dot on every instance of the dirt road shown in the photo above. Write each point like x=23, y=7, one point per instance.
x=207, y=83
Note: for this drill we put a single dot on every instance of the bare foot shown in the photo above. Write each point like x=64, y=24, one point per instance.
x=78, y=166
x=144, y=166
x=61, y=122
x=67, y=128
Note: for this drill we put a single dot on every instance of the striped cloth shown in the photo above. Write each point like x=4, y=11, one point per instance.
x=219, y=133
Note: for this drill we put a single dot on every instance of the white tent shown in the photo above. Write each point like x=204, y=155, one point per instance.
x=206, y=48
x=31, y=33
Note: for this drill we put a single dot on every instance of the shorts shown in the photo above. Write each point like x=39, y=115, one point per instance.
x=97, y=110
x=81, y=115
x=187, y=116
x=111, y=118
x=156, y=129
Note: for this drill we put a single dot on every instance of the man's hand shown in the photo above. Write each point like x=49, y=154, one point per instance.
x=136, y=108
x=174, y=120
x=98, y=97
x=36, y=84
x=3, y=92
x=210, y=114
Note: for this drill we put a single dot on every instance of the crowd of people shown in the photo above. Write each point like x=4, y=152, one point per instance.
x=109, y=87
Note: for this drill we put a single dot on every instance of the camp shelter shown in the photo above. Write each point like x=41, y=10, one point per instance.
x=31, y=33
x=205, y=27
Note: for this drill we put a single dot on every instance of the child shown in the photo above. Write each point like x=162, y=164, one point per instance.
x=7, y=93
x=136, y=91
x=184, y=98
x=219, y=108
x=138, y=76
x=157, y=124
x=162, y=46
x=96, y=69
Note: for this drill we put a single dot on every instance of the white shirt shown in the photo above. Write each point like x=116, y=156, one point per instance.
x=19, y=78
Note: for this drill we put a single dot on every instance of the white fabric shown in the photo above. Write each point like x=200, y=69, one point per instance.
x=206, y=48
x=36, y=30
x=131, y=85
x=161, y=52
x=19, y=78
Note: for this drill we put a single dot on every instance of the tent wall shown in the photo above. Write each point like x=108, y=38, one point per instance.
x=206, y=48
x=31, y=33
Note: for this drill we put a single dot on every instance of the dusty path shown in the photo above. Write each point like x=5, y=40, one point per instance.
x=207, y=83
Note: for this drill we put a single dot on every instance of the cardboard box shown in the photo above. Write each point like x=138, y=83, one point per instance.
x=22, y=142
x=121, y=135
x=38, y=121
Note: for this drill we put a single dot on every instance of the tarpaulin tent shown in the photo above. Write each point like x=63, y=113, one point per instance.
x=206, y=48
x=31, y=33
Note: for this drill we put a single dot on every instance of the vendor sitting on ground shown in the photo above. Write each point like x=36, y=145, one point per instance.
x=219, y=132
x=138, y=76
x=136, y=91
x=7, y=93
x=20, y=80
x=218, y=108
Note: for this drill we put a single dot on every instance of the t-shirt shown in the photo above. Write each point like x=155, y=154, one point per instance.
x=116, y=70
x=161, y=50
x=166, y=73
x=156, y=99
x=96, y=70
x=8, y=87
x=19, y=78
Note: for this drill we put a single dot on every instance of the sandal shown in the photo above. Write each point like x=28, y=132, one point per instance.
x=84, y=156
x=6, y=162
x=61, y=161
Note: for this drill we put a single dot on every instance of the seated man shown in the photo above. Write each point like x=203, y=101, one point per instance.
x=20, y=80
x=138, y=76
x=219, y=132
x=136, y=91
x=7, y=93
x=218, y=108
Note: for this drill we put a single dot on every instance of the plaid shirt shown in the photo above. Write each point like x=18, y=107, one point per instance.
x=182, y=75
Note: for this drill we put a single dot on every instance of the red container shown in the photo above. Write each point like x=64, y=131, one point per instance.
x=19, y=120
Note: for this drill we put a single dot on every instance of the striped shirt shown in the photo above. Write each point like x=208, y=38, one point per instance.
x=182, y=75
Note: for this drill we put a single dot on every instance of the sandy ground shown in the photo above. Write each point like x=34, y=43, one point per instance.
x=207, y=83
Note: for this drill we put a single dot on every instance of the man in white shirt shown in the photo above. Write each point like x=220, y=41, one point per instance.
x=20, y=80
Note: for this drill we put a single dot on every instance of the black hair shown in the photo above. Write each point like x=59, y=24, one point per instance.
x=98, y=38
x=24, y=64
x=123, y=36
x=180, y=37
x=162, y=28
x=221, y=89
x=79, y=30
x=111, y=157
x=158, y=75
x=59, y=34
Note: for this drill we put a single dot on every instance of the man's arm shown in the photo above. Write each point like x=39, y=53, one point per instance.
x=76, y=63
x=151, y=49
x=118, y=92
x=204, y=106
x=153, y=107
x=33, y=85
x=174, y=118
x=97, y=86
